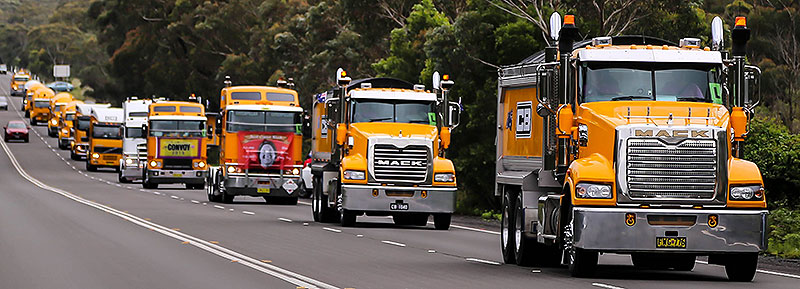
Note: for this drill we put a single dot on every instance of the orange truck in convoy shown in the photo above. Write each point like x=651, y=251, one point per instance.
x=176, y=145
x=57, y=104
x=260, y=145
x=79, y=146
x=630, y=145
x=379, y=149
x=65, y=124
x=105, y=138
x=18, y=82
x=40, y=105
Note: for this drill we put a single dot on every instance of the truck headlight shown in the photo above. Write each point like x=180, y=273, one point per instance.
x=354, y=175
x=95, y=156
x=64, y=131
x=128, y=161
x=201, y=164
x=593, y=191
x=155, y=164
x=233, y=169
x=747, y=193
x=53, y=121
x=295, y=171
x=444, y=178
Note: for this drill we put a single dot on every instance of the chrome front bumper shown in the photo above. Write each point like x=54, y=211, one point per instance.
x=177, y=176
x=361, y=198
x=131, y=172
x=605, y=229
x=260, y=185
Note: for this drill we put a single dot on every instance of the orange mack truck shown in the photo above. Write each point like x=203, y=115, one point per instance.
x=630, y=145
x=176, y=145
x=379, y=149
x=260, y=144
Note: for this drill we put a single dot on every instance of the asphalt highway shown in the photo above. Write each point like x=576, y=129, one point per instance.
x=64, y=227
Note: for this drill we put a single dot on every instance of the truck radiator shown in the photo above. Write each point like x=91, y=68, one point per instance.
x=405, y=165
x=177, y=164
x=687, y=170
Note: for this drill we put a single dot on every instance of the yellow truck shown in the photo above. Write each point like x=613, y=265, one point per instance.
x=630, y=145
x=27, y=96
x=105, y=138
x=79, y=146
x=378, y=148
x=18, y=82
x=40, y=105
x=57, y=103
x=260, y=145
x=65, y=124
x=176, y=145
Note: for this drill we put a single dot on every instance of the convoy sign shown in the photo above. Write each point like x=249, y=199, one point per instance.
x=178, y=148
x=265, y=149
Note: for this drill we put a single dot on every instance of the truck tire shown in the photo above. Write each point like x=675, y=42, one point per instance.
x=74, y=156
x=213, y=189
x=743, y=269
x=122, y=179
x=33, y=122
x=582, y=263
x=62, y=145
x=323, y=212
x=27, y=114
x=441, y=221
x=347, y=218
x=90, y=167
x=507, y=229
x=146, y=183
x=528, y=251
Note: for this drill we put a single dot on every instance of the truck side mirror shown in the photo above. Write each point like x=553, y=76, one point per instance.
x=306, y=124
x=218, y=125
x=210, y=133
x=455, y=114
x=144, y=130
x=333, y=112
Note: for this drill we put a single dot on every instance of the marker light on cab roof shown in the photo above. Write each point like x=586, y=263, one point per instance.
x=569, y=19
x=741, y=21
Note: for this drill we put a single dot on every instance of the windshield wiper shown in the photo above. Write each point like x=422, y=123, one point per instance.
x=630, y=97
x=379, y=119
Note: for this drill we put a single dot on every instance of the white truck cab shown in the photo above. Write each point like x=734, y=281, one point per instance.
x=133, y=160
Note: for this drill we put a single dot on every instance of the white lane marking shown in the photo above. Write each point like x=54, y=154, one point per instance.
x=285, y=220
x=601, y=285
x=536, y=271
x=248, y=213
x=142, y=190
x=272, y=270
x=476, y=260
x=332, y=230
x=472, y=229
x=431, y=251
x=760, y=271
x=195, y=201
x=174, y=197
x=219, y=207
x=304, y=203
x=359, y=236
x=305, y=224
x=156, y=193
x=231, y=210
x=393, y=243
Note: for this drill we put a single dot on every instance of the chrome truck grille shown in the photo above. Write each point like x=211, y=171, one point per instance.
x=408, y=164
x=687, y=170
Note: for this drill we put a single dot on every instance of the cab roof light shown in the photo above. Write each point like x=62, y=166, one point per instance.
x=419, y=87
x=690, y=43
x=601, y=41
x=366, y=85
x=569, y=19
x=741, y=21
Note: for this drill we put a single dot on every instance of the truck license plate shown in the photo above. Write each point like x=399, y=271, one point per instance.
x=262, y=190
x=398, y=207
x=177, y=175
x=671, y=242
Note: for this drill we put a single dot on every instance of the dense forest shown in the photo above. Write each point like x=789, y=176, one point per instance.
x=173, y=48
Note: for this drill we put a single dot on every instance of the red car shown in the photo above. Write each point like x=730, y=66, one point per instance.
x=16, y=129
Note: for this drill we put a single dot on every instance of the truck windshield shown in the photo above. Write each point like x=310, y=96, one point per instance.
x=42, y=104
x=177, y=128
x=401, y=111
x=649, y=81
x=57, y=108
x=69, y=116
x=106, y=131
x=83, y=124
x=21, y=79
x=134, y=132
x=263, y=121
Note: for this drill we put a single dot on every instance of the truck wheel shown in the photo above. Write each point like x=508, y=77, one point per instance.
x=582, y=263
x=303, y=192
x=27, y=114
x=74, y=156
x=441, y=221
x=146, y=183
x=213, y=190
x=743, y=269
x=122, y=179
x=316, y=204
x=33, y=122
x=522, y=245
x=348, y=218
x=507, y=229
x=90, y=167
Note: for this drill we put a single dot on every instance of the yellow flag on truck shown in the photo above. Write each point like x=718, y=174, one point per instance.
x=178, y=148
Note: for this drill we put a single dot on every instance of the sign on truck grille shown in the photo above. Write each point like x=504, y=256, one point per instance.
x=393, y=164
x=660, y=170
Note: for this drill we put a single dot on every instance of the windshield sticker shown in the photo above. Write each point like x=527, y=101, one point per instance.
x=432, y=118
x=178, y=148
x=716, y=92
